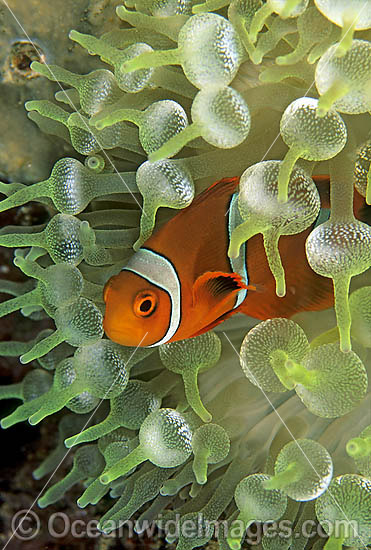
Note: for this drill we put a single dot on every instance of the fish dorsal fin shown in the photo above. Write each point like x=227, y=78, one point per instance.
x=223, y=187
x=214, y=287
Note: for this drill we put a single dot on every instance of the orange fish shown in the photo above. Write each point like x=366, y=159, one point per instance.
x=182, y=283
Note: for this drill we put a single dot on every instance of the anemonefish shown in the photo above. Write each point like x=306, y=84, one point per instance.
x=181, y=282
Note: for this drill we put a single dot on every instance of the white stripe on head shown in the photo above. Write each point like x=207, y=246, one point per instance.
x=159, y=271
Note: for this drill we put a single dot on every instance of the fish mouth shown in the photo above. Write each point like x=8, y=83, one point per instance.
x=123, y=337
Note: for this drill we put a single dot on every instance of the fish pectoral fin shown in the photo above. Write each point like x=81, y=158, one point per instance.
x=214, y=297
x=214, y=287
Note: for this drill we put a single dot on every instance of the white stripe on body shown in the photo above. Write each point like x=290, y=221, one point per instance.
x=238, y=265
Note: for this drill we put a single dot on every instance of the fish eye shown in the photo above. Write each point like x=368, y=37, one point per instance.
x=145, y=304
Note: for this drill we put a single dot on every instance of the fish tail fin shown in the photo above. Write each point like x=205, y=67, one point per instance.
x=306, y=291
x=362, y=210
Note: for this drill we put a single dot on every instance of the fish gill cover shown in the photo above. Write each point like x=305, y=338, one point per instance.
x=205, y=436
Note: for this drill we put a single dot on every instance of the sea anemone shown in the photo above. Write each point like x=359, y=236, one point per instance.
x=245, y=424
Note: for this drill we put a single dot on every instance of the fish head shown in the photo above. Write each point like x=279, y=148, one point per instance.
x=137, y=312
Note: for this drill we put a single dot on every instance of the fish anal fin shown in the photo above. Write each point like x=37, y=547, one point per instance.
x=215, y=323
